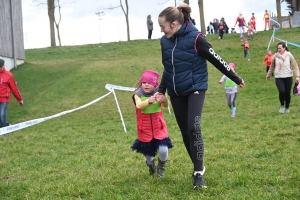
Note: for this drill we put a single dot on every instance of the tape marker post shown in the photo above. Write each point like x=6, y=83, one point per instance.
x=15, y=127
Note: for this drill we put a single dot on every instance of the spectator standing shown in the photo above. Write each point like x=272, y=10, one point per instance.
x=267, y=20
x=149, y=26
x=7, y=86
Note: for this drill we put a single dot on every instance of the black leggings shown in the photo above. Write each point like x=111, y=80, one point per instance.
x=187, y=110
x=284, y=86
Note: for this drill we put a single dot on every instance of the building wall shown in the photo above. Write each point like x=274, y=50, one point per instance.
x=6, y=33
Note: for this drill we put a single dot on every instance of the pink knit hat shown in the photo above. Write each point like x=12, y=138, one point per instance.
x=150, y=77
x=232, y=65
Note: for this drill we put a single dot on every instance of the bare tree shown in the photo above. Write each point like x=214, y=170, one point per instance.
x=201, y=11
x=126, y=16
x=292, y=5
x=125, y=11
x=51, y=10
x=51, y=5
x=57, y=23
x=278, y=7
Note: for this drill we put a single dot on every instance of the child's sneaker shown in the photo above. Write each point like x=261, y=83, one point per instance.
x=287, y=110
x=248, y=59
x=282, y=109
x=232, y=116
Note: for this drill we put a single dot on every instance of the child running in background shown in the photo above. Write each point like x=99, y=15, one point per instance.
x=246, y=46
x=231, y=90
x=253, y=20
x=250, y=30
x=268, y=61
x=151, y=126
x=221, y=29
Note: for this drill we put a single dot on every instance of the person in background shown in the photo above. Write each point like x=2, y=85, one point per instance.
x=7, y=86
x=267, y=20
x=253, y=20
x=221, y=29
x=246, y=46
x=268, y=61
x=241, y=23
x=232, y=30
x=250, y=30
x=151, y=126
x=225, y=25
x=216, y=26
x=231, y=90
x=211, y=28
x=149, y=26
x=185, y=52
x=283, y=65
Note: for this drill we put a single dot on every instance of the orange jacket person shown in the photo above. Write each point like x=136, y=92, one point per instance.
x=267, y=20
x=253, y=20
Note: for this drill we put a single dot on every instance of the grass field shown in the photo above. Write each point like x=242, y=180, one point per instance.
x=86, y=154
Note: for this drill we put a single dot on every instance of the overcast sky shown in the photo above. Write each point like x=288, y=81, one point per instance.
x=80, y=24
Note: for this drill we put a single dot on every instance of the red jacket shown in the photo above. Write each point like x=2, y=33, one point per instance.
x=8, y=86
x=151, y=126
x=268, y=60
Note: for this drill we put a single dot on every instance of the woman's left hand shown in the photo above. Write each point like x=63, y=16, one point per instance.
x=298, y=79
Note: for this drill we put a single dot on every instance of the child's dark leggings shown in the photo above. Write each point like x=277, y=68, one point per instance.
x=187, y=110
x=284, y=86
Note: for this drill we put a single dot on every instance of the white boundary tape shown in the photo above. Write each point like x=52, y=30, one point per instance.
x=26, y=124
x=111, y=88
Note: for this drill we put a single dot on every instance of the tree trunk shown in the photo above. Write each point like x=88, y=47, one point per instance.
x=57, y=23
x=202, y=21
x=51, y=8
x=278, y=7
x=126, y=16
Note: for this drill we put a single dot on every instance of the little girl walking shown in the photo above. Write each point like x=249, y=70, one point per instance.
x=151, y=126
x=231, y=91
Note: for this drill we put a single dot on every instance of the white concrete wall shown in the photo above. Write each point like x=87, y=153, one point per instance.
x=9, y=62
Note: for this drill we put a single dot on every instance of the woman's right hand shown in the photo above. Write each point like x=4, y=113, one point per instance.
x=268, y=78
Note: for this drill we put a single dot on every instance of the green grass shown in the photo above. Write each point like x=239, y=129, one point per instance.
x=87, y=155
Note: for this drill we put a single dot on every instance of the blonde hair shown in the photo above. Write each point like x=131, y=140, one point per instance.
x=179, y=14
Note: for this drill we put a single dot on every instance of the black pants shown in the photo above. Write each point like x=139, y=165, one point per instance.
x=221, y=33
x=149, y=34
x=187, y=110
x=284, y=86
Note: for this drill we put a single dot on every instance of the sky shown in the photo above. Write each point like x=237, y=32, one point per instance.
x=81, y=25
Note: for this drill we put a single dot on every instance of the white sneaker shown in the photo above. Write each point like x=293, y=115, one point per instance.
x=287, y=110
x=282, y=109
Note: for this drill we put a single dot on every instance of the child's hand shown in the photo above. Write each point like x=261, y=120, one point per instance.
x=220, y=82
x=151, y=99
x=159, y=97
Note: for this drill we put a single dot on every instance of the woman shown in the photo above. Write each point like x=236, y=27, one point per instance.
x=283, y=65
x=241, y=23
x=149, y=26
x=184, y=54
